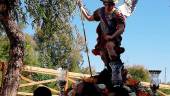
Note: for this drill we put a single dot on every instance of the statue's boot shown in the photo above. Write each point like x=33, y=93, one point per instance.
x=116, y=67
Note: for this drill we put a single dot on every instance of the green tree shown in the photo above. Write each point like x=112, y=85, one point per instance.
x=31, y=53
x=138, y=72
x=54, y=34
x=8, y=24
x=75, y=54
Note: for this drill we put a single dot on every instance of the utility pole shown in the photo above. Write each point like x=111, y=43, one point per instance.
x=165, y=74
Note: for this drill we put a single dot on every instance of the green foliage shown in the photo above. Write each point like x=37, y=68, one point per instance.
x=4, y=48
x=56, y=44
x=31, y=55
x=52, y=85
x=54, y=33
x=54, y=12
x=25, y=89
x=138, y=72
x=75, y=55
x=41, y=77
x=86, y=70
x=166, y=91
x=37, y=77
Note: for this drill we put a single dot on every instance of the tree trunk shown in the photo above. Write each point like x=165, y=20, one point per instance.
x=12, y=77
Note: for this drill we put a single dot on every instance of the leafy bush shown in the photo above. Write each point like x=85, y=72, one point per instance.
x=166, y=91
x=138, y=72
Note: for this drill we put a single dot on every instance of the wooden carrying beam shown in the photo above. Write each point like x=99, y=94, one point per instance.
x=53, y=72
x=28, y=94
x=160, y=85
x=37, y=83
x=72, y=74
x=25, y=94
x=31, y=81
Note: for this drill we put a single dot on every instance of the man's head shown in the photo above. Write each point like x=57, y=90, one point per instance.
x=119, y=91
x=42, y=91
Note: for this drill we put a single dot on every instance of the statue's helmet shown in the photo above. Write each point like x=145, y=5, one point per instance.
x=109, y=1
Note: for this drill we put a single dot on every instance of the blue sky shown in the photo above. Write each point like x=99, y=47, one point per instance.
x=146, y=37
